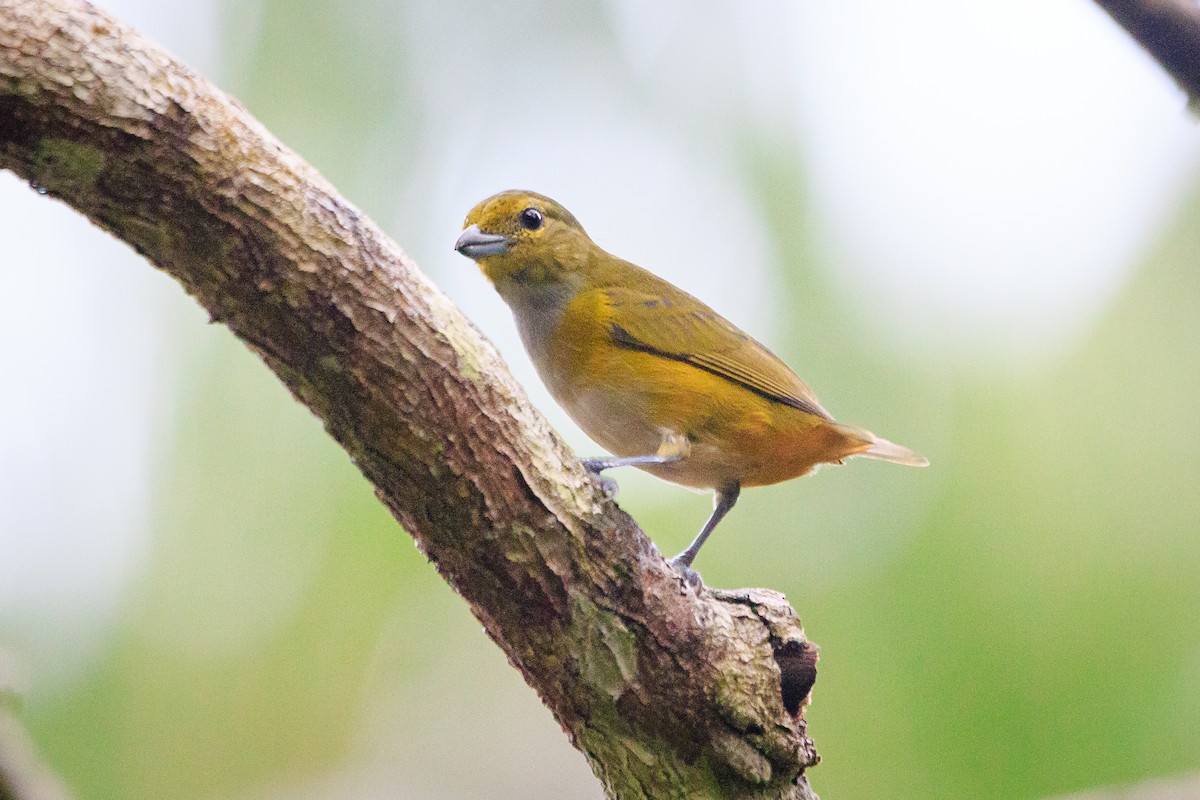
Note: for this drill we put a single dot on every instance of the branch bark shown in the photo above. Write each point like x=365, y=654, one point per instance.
x=1170, y=31
x=668, y=692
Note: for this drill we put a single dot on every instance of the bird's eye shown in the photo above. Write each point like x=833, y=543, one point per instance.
x=531, y=219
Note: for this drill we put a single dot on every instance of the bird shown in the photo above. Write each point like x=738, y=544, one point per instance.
x=654, y=376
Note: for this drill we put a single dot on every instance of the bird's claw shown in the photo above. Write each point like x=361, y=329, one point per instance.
x=595, y=466
x=608, y=486
x=690, y=576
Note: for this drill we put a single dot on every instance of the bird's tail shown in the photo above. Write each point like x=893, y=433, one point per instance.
x=875, y=447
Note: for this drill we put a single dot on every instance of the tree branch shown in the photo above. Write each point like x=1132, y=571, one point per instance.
x=1180, y=787
x=668, y=692
x=23, y=776
x=1170, y=32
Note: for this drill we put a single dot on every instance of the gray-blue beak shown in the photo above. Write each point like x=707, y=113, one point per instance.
x=474, y=243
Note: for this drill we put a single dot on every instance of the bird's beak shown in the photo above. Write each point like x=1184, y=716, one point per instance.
x=474, y=243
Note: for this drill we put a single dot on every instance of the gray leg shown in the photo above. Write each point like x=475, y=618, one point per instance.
x=598, y=465
x=675, y=447
x=723, y=500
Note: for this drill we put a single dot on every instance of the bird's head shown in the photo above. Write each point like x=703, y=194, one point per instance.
x=523, y=238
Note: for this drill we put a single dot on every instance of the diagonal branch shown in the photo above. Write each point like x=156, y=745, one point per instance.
x=1170, y=31
x=668, y=692
x=23, y=776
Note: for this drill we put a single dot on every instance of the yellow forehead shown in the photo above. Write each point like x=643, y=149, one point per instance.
x=499, y=213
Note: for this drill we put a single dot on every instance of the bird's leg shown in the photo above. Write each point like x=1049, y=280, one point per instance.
x=723, y=500
x=674, y=447
x=598, y=465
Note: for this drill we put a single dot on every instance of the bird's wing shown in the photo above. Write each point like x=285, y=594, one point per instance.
x=692, y=333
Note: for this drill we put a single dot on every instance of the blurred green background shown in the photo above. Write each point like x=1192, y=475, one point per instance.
x=973, y=228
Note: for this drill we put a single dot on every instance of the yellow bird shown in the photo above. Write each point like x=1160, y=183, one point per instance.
x=652, y=374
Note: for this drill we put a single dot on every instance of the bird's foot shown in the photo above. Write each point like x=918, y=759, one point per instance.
x=608, y=486
x=690, y=576
x=595, y=466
